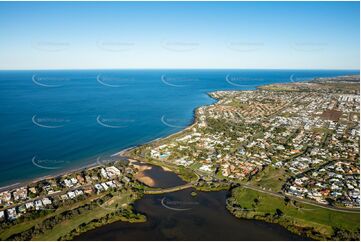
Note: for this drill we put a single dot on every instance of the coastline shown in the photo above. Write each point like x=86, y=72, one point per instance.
x=124, y=154
x=186, y=128
x=293, y=224
x=63, y=172
x=120, y=153
x=59, y=174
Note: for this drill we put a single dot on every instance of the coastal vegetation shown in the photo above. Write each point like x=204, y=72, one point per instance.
x=210, y=186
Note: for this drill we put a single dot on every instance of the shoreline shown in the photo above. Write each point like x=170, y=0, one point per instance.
x=289, y=224
x=123, y=152
x=190, y=126
x=63, y=172
x=38, y=179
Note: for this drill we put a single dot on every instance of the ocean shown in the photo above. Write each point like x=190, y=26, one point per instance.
x=53, y=121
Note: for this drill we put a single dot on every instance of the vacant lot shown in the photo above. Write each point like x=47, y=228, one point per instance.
x=333, y=115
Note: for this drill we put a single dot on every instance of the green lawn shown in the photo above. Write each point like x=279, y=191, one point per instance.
x=66, y=226
x=300, y=215
x=270, y=178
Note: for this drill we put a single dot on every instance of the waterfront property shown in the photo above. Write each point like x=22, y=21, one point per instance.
x=298, y=142
x=286, y=152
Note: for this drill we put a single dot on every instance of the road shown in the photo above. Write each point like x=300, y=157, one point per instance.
x=304, y=201
x=255, y=188
x=58, y=193
x=168, y=190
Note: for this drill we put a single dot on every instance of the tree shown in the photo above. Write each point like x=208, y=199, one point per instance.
x=279, y=213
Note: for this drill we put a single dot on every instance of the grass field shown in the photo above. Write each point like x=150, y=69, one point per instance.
x=296, y=215
x=66, y=226
x=270, y=178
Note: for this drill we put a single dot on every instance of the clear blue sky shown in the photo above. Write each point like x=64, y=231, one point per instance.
x=90, y=35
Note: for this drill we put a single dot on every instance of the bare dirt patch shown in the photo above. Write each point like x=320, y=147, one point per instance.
x=331, y=114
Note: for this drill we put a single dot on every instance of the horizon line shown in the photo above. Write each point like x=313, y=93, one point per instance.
x=166, y=68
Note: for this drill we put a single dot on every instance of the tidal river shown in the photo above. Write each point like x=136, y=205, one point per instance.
x=180, y=216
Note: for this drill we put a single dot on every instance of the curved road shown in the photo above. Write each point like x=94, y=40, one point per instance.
x=280, y=195
x=275, y=194
x=309, y=202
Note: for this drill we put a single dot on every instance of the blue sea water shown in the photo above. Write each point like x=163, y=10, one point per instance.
x=52, y=121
